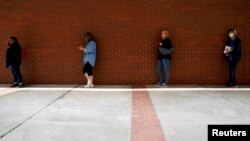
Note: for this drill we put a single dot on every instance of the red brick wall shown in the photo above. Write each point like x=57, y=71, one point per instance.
x=127, y=33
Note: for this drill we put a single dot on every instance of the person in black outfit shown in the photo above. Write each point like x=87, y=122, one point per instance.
x=233, y=56
x=13, y=60
x=164, y=59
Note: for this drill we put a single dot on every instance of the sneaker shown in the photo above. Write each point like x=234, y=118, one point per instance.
x=235, y=86
x=164, y=85
x=21, y=85
x=14, y=85
x=158, y=84
x=232, y=85
x=89, y=86
x=86, y=86
x=229, y=84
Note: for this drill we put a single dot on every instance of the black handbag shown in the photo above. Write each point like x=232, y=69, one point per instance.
x=165, y=51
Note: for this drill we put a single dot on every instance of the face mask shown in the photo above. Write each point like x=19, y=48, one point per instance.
x=9, y=44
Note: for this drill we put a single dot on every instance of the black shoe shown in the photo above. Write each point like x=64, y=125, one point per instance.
x=14, y=85
x=235, y=85
x=232, y=85
x=21, y=85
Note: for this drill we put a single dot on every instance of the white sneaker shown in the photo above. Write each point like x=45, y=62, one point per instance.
x=89, y=86
x=163, y=85
x=158, y=84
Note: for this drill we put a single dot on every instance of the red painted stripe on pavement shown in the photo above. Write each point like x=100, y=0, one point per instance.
x=7, y=91
x=145, y=122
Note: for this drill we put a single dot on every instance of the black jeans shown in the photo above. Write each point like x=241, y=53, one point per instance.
x=15, y=69
x=232, y=72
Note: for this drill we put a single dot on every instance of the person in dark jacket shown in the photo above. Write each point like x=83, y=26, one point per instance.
x=164, y=59
x=233, y=56
x=13, y=60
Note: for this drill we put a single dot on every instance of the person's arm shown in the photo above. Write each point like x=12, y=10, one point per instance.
x=17, y=54
x=7, y=58
x=167, y=44
x=164, y=44
x=81, y=48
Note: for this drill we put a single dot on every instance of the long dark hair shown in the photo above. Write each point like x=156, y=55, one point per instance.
x=14, y=39
x=15, y=42
x=89, y=36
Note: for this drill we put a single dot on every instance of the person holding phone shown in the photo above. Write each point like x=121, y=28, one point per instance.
x=89, y=58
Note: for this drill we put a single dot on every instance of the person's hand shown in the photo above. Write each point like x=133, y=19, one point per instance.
x=160, y=44
x=226, y=52
x=81, y=48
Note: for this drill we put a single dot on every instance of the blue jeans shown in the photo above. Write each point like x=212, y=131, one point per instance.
x=15, y=69
x=163, y=63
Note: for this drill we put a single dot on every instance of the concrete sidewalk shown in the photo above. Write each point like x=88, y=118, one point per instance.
x=105, y=113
